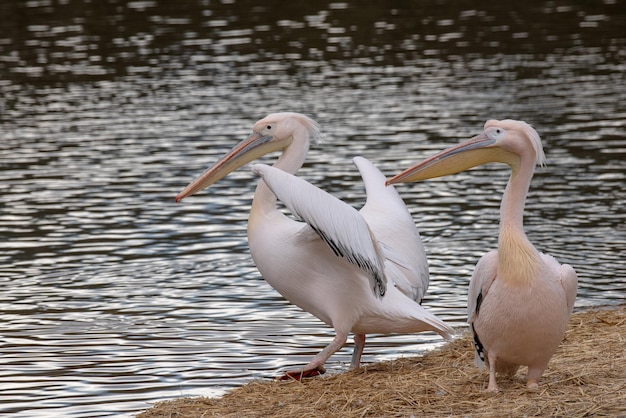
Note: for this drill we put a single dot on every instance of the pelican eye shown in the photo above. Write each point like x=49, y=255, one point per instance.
x=497, y=133
x=268, y=127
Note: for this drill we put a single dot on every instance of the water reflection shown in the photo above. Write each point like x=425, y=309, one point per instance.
x=114, y=297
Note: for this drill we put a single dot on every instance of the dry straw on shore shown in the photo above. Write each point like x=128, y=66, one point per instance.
x=586, y=377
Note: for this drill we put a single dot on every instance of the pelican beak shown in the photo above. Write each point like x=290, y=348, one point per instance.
x=251, y=148
x=476, y=151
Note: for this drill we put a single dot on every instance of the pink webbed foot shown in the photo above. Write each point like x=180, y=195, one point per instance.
x=302, y=374
x=532, y=384
x=492, y=389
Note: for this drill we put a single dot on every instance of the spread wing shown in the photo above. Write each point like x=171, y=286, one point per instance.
x=394, y=228
x=341, y=226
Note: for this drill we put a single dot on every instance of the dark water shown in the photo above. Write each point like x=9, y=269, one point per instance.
x=112, y=297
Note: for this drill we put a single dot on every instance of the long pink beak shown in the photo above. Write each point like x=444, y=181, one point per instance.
x=247, y=150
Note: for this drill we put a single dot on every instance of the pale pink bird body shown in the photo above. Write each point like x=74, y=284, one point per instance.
x=519, y=299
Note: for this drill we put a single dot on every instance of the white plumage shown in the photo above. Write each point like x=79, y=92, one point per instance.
x=358, y=271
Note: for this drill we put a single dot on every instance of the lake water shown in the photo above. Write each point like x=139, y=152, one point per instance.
x=113, y=297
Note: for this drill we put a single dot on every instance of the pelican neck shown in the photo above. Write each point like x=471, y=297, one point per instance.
x=290, y=161
x=517, y=257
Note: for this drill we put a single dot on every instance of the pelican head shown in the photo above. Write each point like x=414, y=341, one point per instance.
x=272, y=133
x=505, y=141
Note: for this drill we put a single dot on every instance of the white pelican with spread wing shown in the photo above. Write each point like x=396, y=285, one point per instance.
x=358, y=271
x=519, y=298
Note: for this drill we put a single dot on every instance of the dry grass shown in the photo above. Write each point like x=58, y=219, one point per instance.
x=586, y=377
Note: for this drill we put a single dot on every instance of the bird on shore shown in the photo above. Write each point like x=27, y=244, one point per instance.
x=519, y=299
x=357, y=271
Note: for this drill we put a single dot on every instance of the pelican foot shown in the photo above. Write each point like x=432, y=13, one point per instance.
x=301, y=374
x=492, y=389
x=532, y=385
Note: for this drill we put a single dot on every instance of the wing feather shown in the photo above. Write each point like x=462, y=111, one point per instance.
x=569, y=281
x=394, y=228
x=338, y=224
x=484, y=275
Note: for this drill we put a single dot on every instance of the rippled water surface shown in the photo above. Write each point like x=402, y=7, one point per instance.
x=112, y=297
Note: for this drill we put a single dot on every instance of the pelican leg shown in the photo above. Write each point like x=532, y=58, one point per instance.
x=533, y=377
x=493, y=386
x=359, y=344
x=316, y=365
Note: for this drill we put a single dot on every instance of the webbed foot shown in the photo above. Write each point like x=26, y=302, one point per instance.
x=302, y=374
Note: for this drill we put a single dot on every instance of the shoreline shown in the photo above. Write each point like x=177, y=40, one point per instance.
x=585, y=377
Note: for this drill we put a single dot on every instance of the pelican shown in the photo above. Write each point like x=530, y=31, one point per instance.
x=357, y=271
x=519, y=298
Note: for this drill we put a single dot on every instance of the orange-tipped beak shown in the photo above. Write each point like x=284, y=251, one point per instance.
x=476, y=151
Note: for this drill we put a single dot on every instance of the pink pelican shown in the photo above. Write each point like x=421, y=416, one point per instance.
x=357, y=271
x=519, y=299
